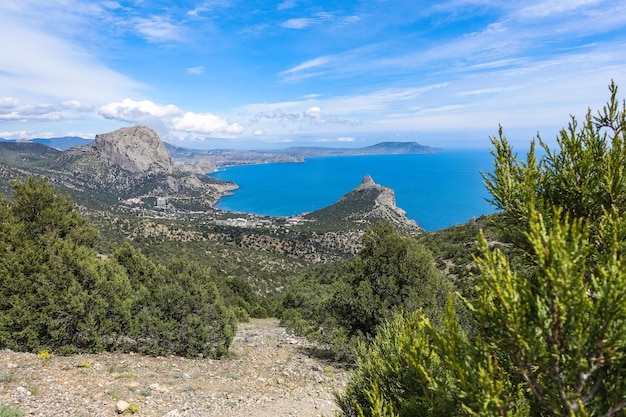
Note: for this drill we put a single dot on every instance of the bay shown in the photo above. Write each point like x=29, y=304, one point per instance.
x=437, y=190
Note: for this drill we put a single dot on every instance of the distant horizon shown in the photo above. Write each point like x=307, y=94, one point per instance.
x=268, y=147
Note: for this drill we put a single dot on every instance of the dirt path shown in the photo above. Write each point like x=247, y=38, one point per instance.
x=269, y=374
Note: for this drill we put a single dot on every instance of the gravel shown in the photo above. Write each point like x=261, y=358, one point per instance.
x=268, y=373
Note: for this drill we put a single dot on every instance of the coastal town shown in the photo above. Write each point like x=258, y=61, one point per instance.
x=162, y=207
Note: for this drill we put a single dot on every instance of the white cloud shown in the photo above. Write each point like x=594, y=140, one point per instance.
x=166, y=119
x=35, y=63
x=304, y=22
x=22, y=134
x=12, y=110
x=258, y=132
x=157, y=29
x=205, y=123
x=286, y=4
x=314, y=112
x=345, y=139
x=298, y=23
x=208, y=6
x=307, y=65
x=138, y=111
x=8, y=102
x=546, y=8
x=195, y=70
x=77, y=105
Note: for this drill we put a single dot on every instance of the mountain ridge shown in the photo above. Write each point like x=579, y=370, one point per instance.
x=210, y=160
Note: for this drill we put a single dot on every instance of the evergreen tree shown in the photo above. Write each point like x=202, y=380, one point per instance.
x=56, y=294
x=390, y=273
x=585, y=176
x=52, y=286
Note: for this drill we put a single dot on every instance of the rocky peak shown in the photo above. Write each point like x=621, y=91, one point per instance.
x=135, y=149
x=366, y=182
x=368, y=203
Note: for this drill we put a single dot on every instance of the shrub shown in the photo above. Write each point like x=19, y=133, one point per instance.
x=551, y=329
x=176, y=309
x=6, y=411
x=56, y=295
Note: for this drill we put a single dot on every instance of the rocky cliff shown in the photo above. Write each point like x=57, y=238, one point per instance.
x=368, y=203
x=134, y=162
x=135, y=149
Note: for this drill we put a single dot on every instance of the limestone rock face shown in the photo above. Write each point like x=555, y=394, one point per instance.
x=135, y=149
x=368, y=203
x=134, y=162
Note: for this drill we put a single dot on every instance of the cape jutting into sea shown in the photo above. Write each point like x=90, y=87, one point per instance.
x=436, y=190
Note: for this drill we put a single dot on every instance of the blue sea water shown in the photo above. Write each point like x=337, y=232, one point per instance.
x=437, y=191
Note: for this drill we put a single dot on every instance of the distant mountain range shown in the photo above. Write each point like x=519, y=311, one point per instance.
x=210, y=160
x=61, y=143
x=383, y=148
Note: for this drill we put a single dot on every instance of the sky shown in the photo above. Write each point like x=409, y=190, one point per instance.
x=258, y=74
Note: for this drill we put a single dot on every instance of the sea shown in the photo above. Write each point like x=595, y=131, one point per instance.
x=436, y=190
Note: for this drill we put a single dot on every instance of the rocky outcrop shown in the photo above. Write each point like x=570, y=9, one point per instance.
x=137, y=149
x=368, y=203
x=134, y=162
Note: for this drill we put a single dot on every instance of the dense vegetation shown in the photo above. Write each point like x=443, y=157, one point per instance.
x=346, y=302
x=56, y=294
x=551, y=316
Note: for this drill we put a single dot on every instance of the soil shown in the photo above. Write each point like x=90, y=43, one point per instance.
x=268, y=373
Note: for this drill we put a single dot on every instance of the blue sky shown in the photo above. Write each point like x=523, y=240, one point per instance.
x=257, y=74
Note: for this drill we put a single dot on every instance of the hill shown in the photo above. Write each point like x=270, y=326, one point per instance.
x=368, y=204
x=383, y=148
x=61, y=143
x=127, y=163
x=211, y=160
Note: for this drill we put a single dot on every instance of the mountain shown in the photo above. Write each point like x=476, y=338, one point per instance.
x=383, y=148
x=61, y=143
x=211, y=160
x=138, y=150
x=129, y=162
x=367, y=204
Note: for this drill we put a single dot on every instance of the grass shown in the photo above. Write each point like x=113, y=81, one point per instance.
x=4, y=378
x=6, y=411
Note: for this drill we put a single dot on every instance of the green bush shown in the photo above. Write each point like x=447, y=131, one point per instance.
x=241, y=314
x=343, y=303
x=55, y=294
x=6, y=411
x=176, y=309
x=551, y=324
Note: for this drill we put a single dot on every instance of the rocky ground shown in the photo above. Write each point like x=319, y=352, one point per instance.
x=269, y=373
